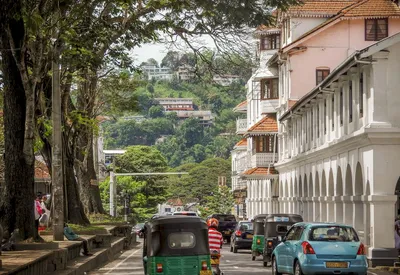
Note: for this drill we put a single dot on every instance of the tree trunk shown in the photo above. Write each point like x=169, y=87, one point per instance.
x=84, y=164
x=17, y=200
x=76, y=214
x=95, y=199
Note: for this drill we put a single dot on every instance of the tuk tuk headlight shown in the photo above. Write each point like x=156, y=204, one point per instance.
x=258, y=241
x=204, y=265
x=159, y=268
x=269, y=244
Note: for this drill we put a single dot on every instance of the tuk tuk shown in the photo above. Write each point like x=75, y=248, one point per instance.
x=257, y=245
x=176, y=245
x=275, y=227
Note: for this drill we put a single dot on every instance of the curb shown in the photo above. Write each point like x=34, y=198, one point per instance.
x=82, y=265
x=388, y=268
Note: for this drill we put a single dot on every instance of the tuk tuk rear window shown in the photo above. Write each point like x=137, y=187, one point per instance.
x=181, y=240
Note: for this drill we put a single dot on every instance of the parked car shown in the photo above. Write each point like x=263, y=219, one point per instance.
x=320, y=248
x=138, y=229
x=227, y=224
x=185, y=213
x=242, y=237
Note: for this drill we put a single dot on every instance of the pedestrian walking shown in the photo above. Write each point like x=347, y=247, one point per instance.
x=38, y=212
x=44, y=219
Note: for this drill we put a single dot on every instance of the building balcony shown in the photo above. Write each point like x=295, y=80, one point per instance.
x=241, y=126
x=263, y=159
x=269, y=105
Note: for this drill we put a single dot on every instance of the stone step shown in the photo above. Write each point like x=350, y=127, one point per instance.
x=83, y=264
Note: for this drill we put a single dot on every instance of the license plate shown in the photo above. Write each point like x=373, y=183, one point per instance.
x=249, y=236
x=336, y=264
x=214, y=261
x=205, y=272
x=227, y=232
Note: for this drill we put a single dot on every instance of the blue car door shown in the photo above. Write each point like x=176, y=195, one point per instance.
x=293, y=246
x=285, y=250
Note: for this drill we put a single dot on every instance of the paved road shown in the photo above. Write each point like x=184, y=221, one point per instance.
x=130, y=262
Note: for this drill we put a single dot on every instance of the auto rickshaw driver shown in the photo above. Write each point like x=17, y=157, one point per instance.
x=215, y=240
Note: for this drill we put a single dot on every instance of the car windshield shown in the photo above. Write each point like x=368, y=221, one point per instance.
x=246, y=226
x=181, y=240
x=333, y=234
x=228, y=218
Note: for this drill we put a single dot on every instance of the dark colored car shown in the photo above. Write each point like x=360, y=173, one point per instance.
x=227, y=224
x=139, y=229
x=242, y=237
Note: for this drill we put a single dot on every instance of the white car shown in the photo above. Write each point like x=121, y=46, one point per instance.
x=185, y=213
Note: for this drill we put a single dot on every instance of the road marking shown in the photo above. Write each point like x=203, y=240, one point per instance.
x=228, y=261
x=371, y=273
x=235, y=267
x=120, y=263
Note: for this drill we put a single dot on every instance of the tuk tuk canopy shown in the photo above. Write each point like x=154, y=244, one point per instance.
x=278, y=224
x=176, y=236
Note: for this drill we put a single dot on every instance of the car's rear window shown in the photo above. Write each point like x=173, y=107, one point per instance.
x=333, y=234
x=229, y=218
x=246, y=226
x=181, y=240
x=185, y=214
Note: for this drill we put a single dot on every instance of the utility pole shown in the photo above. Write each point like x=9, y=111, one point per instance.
x=56, y=152
x=113, y=191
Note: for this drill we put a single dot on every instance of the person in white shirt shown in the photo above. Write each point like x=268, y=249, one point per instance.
x=44, y=219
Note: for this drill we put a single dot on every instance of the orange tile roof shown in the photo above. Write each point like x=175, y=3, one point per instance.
x=241, y=104
x=41, y=171
x=242, y=142
x=262, y=171
x=268, y=124
x=358, y=10
x=372, y=9
x=319, y=8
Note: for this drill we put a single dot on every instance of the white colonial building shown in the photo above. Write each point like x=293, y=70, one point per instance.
x=342, y=148
x=338, y=120
x=253, y=158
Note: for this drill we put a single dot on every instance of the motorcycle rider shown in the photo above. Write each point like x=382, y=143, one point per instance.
x=215, y=239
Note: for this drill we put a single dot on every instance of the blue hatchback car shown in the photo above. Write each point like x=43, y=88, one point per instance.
x=320, y=248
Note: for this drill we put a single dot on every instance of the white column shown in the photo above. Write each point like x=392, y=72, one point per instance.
x=382, y=222
x=347, y=210
x=378, y=89
x=338, y=204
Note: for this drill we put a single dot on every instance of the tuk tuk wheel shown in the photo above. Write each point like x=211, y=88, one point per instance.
x=253, y=258
x=297, y=269
x=231, y=248
x=265, y=264
x=235, y=249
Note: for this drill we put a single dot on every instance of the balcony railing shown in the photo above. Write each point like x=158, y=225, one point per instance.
x=263, y=159
x=241, y=126
x=269, y=105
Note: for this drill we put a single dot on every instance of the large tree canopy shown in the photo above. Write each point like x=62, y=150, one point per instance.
x=92, y=37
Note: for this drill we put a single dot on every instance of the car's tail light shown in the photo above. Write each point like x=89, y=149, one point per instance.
x=307, y=248
x=258, y=241
x=204, y=265
x=361, y=249
x=238, y=233
x=269, y=244
x=159, y=268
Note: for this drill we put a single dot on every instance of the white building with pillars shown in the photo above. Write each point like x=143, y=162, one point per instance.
x=343, y=148
x=254, y=156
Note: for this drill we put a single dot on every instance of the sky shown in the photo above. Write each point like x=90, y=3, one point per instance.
x=156, y=51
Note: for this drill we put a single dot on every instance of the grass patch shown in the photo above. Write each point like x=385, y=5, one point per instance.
x=105, y=219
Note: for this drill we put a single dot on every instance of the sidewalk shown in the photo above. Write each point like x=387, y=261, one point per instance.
x=64, y=257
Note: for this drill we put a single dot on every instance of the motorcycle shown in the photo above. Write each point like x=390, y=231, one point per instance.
x=215, y=260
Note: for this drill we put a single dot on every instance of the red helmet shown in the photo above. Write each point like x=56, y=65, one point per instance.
x=212, y=222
